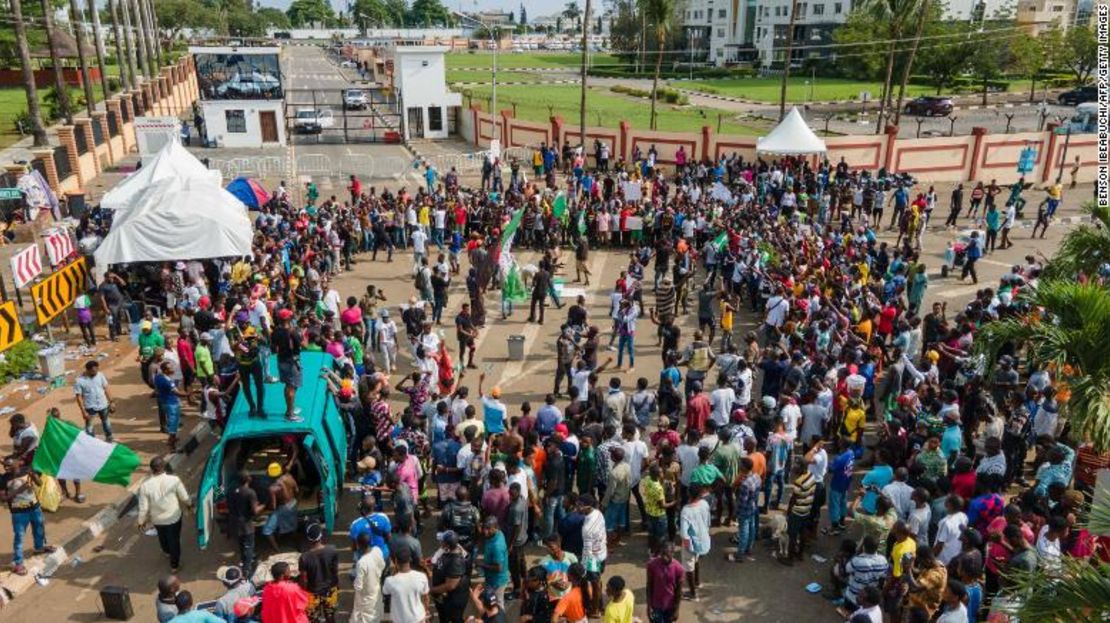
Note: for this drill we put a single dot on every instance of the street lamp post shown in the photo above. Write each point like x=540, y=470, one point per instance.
x=496, y=46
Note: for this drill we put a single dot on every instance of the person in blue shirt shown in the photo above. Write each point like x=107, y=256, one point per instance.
x=430, y=175
x=495, y=554
x=953, y=438
x=880, y=476
x=840, y=482
x=447, y=474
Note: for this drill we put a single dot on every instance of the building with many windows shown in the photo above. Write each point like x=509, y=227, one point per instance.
x=722, y=32
x=1037, y=16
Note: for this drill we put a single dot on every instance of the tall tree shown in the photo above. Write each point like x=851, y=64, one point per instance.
x=140, y=38
x=892, y=13
x=991, y=56
x=82, y=60
x=146, y=10
x=34, y=111
x=272, y=18
x=1028, y=59
x=55, y=60
x=398, y=12
x=787, y=60
x=302, y=12
x=129, y=44
x=1078, y=53
x=121, y=61
x=583, y=79
x=923, y=9
x=98, y=42
x=523, y=15
x=659, y=14
x=369, y=13
x=572, y=13
x=428, y=13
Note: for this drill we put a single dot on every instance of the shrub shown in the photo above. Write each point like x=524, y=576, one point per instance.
x=19, y=360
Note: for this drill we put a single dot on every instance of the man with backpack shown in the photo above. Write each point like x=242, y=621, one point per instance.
x=971, y=255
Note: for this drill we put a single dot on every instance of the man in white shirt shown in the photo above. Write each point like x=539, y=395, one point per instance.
x=419, y=245
x=791, y=415
x=947, y=544
x=161, y=498
x=777, y=307
x=900, y=494
x=408, y=590
x=722, y=400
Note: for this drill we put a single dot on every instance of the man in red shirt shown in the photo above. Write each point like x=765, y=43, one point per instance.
x=697, y=408
x=356, y=189
x=283, y=600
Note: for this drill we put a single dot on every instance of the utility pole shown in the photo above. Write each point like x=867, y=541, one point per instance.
x=585, y=53
x=786, y=63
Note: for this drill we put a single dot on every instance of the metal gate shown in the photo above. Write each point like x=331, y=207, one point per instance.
x=314, y=116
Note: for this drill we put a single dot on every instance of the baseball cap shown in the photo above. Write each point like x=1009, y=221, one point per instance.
x=285, y=313
x=562, y=429
x=448, y=537
x=230, y=574
x=488, y=597
x=146, y=325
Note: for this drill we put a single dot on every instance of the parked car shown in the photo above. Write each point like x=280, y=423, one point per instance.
x=312, y=120
x=929, y=106
x=1078, y=96
x=355, y=99
x=1085, y=119
x=349, y=64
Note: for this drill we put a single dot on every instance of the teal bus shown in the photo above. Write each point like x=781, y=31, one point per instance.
x=316, y=448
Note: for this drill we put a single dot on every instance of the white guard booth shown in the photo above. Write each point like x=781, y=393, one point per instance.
x=791, y=137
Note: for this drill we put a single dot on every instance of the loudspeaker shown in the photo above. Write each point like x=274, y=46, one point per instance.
x=117, y=603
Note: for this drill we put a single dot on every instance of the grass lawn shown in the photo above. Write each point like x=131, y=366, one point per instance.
x=13, y=100
x=797, y=89
x=563, y=60
x=469, y=75
x=606, y=109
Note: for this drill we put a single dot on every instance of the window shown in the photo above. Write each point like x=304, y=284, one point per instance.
x=1057, y=8
x=720, y=32
x=838, y=8
x=435, y=119
x=721, y=13
x=818, y=9
x=236, y=121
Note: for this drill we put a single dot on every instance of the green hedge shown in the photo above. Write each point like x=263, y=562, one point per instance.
x=672, y=74
x=19, y=360
x=666, y=94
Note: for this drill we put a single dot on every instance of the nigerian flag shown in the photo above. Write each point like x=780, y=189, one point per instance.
x=66, y=452
x=513, y=287
x=582, y=222
x=510, y=231
x=721, y=241
x=559, y=207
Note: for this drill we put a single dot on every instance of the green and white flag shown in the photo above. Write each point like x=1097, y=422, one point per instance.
x=66, y=452
x=721, y=241
x=582, y=222
x=559, y=207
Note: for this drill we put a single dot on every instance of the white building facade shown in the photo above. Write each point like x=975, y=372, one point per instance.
x=420, y=82
x=728, y=31
x=242, y=98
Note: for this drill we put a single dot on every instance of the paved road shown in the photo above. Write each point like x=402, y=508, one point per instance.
x=763, y=590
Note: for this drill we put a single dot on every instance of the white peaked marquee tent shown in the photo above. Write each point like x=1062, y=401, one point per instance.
x=791, y=137
x=172, y=162
x=176, y=219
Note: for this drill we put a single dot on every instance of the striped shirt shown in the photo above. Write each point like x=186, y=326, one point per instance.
x=864, y=570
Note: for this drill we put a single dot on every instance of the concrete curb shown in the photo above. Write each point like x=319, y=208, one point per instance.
x=14, y=585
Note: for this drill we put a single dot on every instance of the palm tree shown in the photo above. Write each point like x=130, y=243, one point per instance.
x=29, y=86
x=584, y=86
x=787, y=59
x=141, y=43
x=1079, y=592
x=1068, y=329
x=79, y=32
x=572, y=12
x=659, y=13
x=922, y=13
x=155, y=36
x=123, y=48
x=894, y=14
x=134, y=56
x=98, y=42
x=1084, y=249
x=56, y=61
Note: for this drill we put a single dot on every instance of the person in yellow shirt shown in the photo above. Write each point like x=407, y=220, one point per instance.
x=904, y=543
x=424, y=218
x=854, y=417
x=621, y=602
x=727, y=317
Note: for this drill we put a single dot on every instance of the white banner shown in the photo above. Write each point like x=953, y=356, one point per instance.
x=634, y=223
x=26, y=265
x=632, y=191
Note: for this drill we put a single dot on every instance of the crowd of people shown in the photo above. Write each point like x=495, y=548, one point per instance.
x=852, y=411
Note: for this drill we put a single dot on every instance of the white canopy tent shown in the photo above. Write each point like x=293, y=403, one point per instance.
x=175, y=219
x=791, y=137
x=172, y=162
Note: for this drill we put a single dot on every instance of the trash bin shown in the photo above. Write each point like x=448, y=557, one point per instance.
x=52, y=361
x=516, y=348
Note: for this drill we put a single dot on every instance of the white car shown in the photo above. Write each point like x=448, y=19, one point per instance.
x=350, y=64
x=355, y=99
x=312, y=120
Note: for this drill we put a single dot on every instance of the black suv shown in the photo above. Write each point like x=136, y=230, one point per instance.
x=1078, y=96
